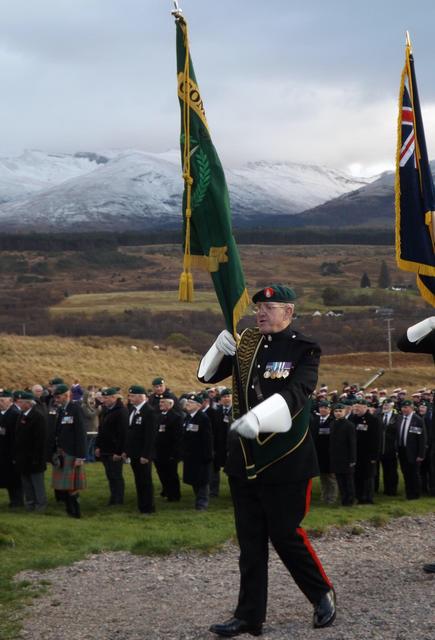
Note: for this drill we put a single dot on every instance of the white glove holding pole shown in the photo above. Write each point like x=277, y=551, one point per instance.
x=224, y=345
x=270, y=416
x=420, y=330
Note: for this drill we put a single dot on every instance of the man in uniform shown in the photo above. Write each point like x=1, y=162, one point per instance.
x=140, y=443
x=168, y=449
x=368, y=445
x=221, y=427
x=197, y=450
x=342, y=444
x=411, y=435
x=10, y=478
x=320, y=425
x=389, y=418
x=271, y=459
x=69, y=450
x=420, y=338
x=160, y=391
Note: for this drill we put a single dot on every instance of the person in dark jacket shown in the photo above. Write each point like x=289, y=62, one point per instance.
x=223, y=418
x=30, y=448
x=411, y=445
x=69, y=450
x=320, y=425
x=368, y=445
x=388, y=418
x=10, y=478
x=168, y=449
x=271, y=458
x=197, y=450
x=110, y=441
x=420, y=338
x=342, y=444
x=140, y=446
x=160, y=390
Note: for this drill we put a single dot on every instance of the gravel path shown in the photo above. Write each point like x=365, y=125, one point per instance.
x=381, y=589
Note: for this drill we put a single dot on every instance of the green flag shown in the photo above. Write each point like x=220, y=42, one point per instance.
x=208, y=237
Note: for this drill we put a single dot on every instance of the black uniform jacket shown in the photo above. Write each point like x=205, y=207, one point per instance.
x=221, y=427
x=416, y=438
x=70, y=434
x=300, y=356
x=30, y=442
x=197, y=449
x=169, y=435
x=342, y=444
x=389, y=434
x=141, y=433
x=112, y=431
x=368, y=437
x=8, y=421
x=321, y=433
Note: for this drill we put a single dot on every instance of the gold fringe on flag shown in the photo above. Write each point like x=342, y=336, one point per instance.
x=185, y=290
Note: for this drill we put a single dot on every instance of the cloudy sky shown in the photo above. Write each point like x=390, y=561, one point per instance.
x=314, y=81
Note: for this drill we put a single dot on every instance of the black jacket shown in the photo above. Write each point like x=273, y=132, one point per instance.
x=30, y=442
x=8, y=422
x=70, y=432
x=321, y=433
x=169, y=435
x=303, y=355
x=141, y=433
x=342, y=443
x=416, y=438
x=368, y=437
x=221, y=426
x=112, y=431
x=197, y=449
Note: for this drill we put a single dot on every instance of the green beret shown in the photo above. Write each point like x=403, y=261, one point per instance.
x=195, y=397
x=324, y=403
x=60, y=388
x=407, y=403
x=226, y=392
x=110, y=391
x=136, y=388
x=274, y=293
x=23, y=395
x=361, y=401
x=340, y=405
x=158, y=380
x=6, y=393
x=57, y=381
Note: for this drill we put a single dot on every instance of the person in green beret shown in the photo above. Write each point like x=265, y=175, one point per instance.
x=271, y=459
x=342, y=445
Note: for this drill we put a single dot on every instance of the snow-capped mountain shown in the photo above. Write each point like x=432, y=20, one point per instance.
x=133, y=189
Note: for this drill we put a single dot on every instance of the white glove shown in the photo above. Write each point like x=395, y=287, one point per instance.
x=420, y=330
x=247, y=426
x=225, y=343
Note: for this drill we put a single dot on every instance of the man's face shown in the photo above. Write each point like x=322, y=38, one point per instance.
x=273, y=317
x=24, y=405
x=61, y=398
x=159, y=388
x=324, y=411
x=136, y=398
x=108, y=401
x=387, y=407
x=192, y=406
x=339, y=413
x=359, y=409
x=422, y=409
x=5, y=403
x=165, y=404
x=37, y=390
x=406, y=410
x=226, y=400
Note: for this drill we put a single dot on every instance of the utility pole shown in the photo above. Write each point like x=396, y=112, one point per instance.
x=390, y=355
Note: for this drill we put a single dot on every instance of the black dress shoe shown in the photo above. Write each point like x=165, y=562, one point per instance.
x=429, y=568
x=234, y=626
x=324, y=612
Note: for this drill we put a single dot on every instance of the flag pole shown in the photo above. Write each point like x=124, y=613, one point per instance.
x=408, y=39
x=176, y=12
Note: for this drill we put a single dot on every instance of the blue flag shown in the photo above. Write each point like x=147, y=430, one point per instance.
x=415, y=195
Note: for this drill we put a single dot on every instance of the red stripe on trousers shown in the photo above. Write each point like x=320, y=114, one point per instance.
x=307, y=543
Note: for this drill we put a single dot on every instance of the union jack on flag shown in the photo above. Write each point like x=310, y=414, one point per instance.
x=415, y=195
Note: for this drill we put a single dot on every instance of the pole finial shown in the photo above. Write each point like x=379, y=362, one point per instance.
x=408, y=40
x=176, y=12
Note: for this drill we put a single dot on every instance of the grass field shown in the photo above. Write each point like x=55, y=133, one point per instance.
x=43, y=541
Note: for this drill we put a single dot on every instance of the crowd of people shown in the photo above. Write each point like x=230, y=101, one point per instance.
x=356, y=435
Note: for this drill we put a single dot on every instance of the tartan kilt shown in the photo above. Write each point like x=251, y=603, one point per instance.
x=68, y=477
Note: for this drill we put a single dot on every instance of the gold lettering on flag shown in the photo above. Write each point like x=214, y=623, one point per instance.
x=194, y=97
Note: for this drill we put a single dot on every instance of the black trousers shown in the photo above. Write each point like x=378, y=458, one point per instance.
x=391, y=476
x=346, y=487
x=116, y=481
x=365, y=481
x=167, y=470
x=144, y=485
x=273, y=512
x=411, y=475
